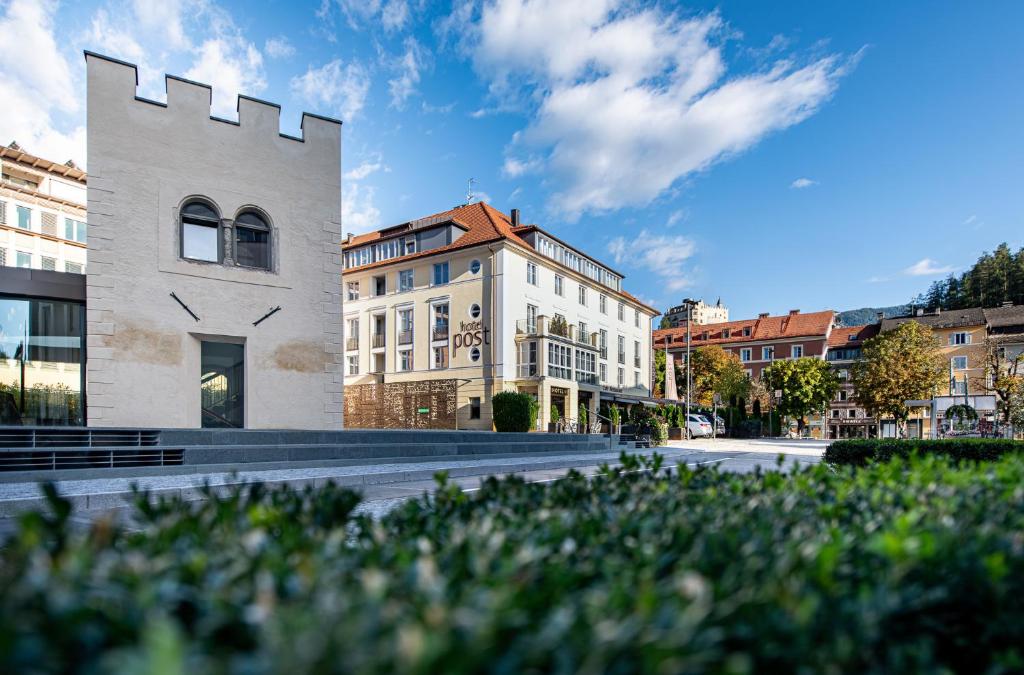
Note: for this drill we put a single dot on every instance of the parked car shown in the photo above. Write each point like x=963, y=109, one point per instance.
x=719, y=424
x=697, y=426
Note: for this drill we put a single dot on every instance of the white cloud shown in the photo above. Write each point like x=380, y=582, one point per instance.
x=663, y=255
x=926, y=267
x=801, y=183
x=440, y=109
x=365, y=169
x=408, y=65
x=35, y=81
x=164, y=20
x=279, y=47
x=676, y=217
x=628, y=100
x=513, y=168
x=393, y=15
x=878, y=280
x=231, y=66
x=341, y=88
x=358, y=212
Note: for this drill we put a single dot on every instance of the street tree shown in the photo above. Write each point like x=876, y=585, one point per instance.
x=1004, y=379
x=806, y=384
x=897, y=366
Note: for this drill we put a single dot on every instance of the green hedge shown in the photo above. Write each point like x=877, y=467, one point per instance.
x=893, y=568
x=860, y=450
x=514, y=411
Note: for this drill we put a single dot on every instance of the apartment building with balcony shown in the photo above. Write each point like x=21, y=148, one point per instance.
x=42, y=213
x=700, y=314
x=442, y=312
x=844, y=417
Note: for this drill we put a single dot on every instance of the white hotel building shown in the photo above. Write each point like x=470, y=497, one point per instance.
x=443, y=312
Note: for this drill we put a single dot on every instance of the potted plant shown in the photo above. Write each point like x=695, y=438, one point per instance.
x=614, y=416
x=555, y=416
x=584, y=429
x=675, y=422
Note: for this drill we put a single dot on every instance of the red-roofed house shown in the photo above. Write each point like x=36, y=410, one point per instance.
x=445, y=311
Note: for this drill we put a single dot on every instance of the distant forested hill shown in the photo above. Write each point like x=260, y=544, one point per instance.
x=996, y=278
x=859, y=317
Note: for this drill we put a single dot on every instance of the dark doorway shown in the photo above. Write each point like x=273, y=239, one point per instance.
x=223, y=385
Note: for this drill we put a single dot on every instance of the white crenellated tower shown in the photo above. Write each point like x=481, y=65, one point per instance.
x=214, y=283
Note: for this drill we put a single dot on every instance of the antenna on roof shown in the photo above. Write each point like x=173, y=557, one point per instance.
x=469, y=192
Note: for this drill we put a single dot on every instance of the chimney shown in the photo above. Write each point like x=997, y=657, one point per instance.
x=348, y=237
x=794, y=311
x=515, y=217
x=762, y=315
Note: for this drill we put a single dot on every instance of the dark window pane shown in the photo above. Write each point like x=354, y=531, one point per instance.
x=223, y=385
x=252, y=220
x=252, y=247
x=199, y=210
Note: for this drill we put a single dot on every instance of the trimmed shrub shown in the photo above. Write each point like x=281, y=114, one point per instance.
x=514, y=411
x=895, y=568
x=859, y=451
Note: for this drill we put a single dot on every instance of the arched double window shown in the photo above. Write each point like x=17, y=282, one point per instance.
x=242, y=242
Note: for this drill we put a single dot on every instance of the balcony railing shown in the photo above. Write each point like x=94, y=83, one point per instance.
x=544, y=326
x=378, y=341
x=405, y=337
x=352, y=344
x=439, y=333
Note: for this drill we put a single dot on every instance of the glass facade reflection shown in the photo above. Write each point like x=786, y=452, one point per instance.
x=42, y=362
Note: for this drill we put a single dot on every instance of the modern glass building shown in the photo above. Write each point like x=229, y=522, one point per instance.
x=42, y=348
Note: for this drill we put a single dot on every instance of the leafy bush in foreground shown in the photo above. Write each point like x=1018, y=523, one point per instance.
x=860, y=450
x=892, y=568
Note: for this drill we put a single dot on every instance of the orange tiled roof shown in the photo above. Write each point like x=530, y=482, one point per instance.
x=483, y=224
x=840, y=337
x=762, y=328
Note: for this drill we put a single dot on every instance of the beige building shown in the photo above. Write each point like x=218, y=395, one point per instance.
x=42, y=213
x=961, y=336
x=443, y=312
x=701, y=313
x=214, y=279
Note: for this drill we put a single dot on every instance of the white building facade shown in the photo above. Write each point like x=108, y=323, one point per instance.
x=213, y=289
x=443, y=312
x=42, y=213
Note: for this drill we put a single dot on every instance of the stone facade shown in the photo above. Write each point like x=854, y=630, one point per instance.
x=147, y=160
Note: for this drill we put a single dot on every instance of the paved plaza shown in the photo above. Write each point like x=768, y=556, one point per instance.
x=385, y=485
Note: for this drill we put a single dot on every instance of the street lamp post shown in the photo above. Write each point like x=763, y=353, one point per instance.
x=689, y=317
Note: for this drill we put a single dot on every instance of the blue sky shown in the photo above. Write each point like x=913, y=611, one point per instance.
x=812, y=155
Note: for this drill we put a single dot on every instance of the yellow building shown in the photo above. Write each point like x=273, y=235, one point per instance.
x=961, y=336
x=442, y=312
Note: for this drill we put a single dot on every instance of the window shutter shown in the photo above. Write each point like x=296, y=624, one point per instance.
x=3, y=213
x=49, y=263
x=49, y=221
x=3, y=254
